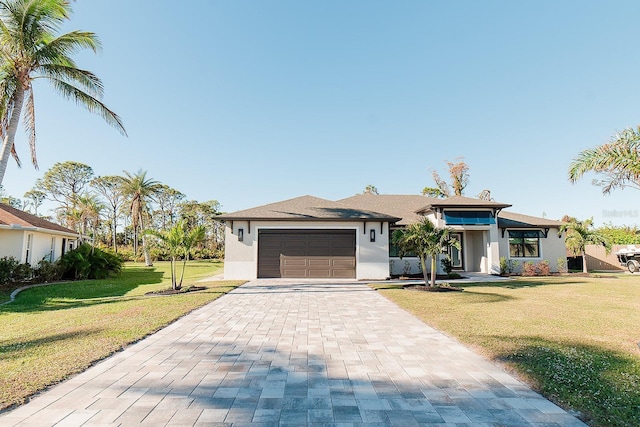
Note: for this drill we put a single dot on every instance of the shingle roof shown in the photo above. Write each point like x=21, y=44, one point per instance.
x=512, y=219
x=401, y=209
x=12, y=216
x=404, y=206
x=307, y=208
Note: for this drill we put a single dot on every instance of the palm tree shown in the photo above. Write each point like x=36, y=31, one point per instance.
x=31, y=48
x=424, y=239
x=579, y=234
x=179, y=241
x=139, y=190
x=618, y=161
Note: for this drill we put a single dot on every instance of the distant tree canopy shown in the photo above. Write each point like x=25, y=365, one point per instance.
x=459, y=174
x=118, y=210
x=621, y=235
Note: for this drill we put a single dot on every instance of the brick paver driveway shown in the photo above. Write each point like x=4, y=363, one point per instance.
x=294, y=353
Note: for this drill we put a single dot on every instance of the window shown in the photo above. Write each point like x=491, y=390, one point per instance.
x=469, y=218
x=524, y=244
x=28, y=252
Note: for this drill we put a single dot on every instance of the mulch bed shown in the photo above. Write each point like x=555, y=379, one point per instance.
x=177, y=291
x=436, y=288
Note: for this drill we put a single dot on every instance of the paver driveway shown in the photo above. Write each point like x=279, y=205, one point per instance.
x=294, y=353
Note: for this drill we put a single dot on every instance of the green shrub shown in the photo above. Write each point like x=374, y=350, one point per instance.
x=7, y=265
x=12, y=271
x=47, y=271
x=562, y=264
x=446, y=265
x=87, y=262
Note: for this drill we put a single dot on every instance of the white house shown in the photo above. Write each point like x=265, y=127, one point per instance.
x=30, y=239
x=309, y=237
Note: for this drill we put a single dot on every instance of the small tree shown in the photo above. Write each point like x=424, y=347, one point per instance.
x=178, y=241
x=424, y=239
x=579, y=234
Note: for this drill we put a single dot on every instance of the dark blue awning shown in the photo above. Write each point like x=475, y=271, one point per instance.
x=469, y=218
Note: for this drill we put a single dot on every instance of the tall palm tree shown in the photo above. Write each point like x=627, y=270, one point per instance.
x=579, y=234
x=139, y=191
x=424, y=239
x=618, y=161
x=31, y=48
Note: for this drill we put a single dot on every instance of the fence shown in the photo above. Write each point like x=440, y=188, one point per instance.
x=598, y=259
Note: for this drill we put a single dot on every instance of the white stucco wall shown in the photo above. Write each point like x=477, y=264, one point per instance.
x=372, y=258
x=14, y=243
x=11, y=244
x=551, y=248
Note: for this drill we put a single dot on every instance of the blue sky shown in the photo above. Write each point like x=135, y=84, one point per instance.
x=251, y=102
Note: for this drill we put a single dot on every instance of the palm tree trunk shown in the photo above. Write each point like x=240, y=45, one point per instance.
x=173, y=273
x=433, y=270
x=423, y=264
x=584, y=262
x=145, y=251
x=114, y=225
x=9, y=138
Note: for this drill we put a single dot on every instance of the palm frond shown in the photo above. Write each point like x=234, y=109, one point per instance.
x=74, y=76
x=30, y=125
x=91, y=103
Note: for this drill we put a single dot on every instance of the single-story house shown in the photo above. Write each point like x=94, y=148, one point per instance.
x=29, y=238
x=310, y=237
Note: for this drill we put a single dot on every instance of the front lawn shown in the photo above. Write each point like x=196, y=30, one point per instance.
x=51, y=332
x=574, y=339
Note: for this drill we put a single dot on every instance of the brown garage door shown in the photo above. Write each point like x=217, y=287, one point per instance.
x=307, y=253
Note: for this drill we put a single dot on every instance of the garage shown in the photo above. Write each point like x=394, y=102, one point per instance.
x=321, y=254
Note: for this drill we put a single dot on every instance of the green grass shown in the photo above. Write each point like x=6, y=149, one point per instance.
x=574, y=339
x=51, y=332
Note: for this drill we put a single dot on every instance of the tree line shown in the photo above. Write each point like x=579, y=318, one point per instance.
x=116, y=211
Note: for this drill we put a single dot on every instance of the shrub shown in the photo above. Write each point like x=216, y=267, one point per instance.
x=47, y=271
x=562, y=264
x=503, y=265
x=542, y=268
x=7, y=265
x=87, y=262
x=12, y=271
x=528, y=269
x=446, y=265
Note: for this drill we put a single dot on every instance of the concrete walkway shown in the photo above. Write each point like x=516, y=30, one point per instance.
x=293, y=354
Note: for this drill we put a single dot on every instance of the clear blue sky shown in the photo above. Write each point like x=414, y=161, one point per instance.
x=251, y=102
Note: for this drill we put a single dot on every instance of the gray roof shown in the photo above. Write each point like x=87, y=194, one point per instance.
x=404, y=206
x=308, y=208
x=394, y=208
x=516, y=220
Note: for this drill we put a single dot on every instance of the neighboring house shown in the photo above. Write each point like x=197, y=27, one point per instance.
x=30, y=239
x=350, y=238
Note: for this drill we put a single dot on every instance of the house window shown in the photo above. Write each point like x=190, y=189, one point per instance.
x=52, y=254
x=29, y=244
x=524, y=244
x=469, y=218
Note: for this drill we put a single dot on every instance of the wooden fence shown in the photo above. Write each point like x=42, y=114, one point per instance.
x=598, y=259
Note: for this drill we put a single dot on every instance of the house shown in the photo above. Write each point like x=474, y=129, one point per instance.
x=30, y=239
x=309, y=237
